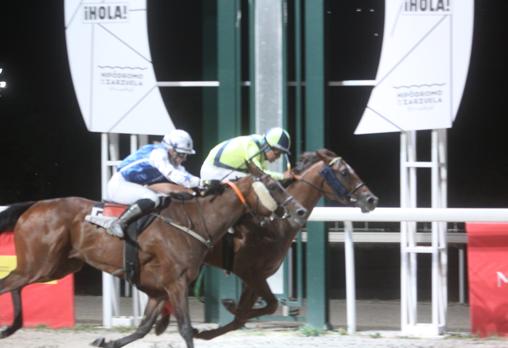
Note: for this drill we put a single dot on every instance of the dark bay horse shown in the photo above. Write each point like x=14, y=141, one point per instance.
x=52, y=240
x=317, y=174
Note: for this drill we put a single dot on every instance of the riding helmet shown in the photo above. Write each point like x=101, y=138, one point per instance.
x=279, y=139
x=180, y=141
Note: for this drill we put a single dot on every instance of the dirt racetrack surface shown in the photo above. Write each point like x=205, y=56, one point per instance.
x=251, y=337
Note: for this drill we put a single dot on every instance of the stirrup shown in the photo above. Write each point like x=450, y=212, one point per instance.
x=116, y=230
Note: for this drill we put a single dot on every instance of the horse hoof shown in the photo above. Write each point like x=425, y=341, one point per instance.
x=203, y=335
x=99, y=342
x=161, y=325
x=6, y=333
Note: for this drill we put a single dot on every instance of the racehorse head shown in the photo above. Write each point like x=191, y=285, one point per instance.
x=272, y=196
x=340, y=183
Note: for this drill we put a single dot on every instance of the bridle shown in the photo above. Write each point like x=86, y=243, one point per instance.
x=335, y=184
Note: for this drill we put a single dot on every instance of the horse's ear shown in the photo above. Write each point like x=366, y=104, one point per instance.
x=253, y=169
x=326, y=155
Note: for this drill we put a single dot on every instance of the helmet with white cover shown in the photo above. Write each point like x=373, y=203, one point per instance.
x=278, y=138
x=180, y=141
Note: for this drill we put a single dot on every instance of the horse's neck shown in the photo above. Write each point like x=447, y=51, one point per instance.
x=307, y=189
x=219, y=214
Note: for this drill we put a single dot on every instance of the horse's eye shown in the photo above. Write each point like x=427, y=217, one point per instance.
x=344, y=172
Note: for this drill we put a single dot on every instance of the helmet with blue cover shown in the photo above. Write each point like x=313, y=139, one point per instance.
x=279, y=139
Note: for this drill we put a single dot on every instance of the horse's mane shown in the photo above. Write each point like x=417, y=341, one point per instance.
x=307, y=159
x=215, y=187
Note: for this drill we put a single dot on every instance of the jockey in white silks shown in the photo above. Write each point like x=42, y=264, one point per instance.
x=151, y=164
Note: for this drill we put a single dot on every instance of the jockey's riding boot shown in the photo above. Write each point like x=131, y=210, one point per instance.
x=135, y=211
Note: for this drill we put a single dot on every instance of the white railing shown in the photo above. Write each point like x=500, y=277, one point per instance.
x=348, y=215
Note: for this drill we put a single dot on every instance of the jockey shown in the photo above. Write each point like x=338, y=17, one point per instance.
x=152, y=163
x=227, y=159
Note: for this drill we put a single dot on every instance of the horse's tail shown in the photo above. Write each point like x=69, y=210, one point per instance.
x=10, y=216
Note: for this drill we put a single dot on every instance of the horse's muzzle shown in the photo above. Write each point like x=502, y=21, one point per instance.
x=368, y=203
x=300, y=217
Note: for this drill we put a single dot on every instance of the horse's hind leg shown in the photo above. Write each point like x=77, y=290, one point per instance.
x=13, y=283
x=152, y=310
x=17, y=323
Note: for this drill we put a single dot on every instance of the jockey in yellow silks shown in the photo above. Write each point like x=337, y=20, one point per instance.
x=226, y=161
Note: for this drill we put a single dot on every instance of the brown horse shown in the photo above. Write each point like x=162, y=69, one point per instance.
x=52, y=240
x=317, y=174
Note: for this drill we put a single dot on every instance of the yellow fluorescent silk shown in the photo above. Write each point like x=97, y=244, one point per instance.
x=234, y=153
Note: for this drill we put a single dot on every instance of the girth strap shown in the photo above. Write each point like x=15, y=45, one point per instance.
x=131, y=247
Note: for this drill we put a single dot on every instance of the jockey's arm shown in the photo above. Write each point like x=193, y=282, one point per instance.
x=159, y=159
x=255, y=155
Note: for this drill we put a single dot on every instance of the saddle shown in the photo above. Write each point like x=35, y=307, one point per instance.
x=103, y=214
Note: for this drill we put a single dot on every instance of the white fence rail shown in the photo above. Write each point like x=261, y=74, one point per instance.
x=349, y=215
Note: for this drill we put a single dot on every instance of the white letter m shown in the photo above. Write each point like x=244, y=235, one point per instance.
x=501, y=278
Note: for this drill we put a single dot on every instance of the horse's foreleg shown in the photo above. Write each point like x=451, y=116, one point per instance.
x=262, y=289
x=244, y=310
x=244, y=305
x=235, y=324
x=152, y=310
x=177, y=294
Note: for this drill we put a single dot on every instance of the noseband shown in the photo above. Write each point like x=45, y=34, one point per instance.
x=336, y=185
x=331, y=179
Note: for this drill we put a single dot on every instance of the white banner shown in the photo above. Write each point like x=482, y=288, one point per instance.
x=423, y=66
x=111, y=67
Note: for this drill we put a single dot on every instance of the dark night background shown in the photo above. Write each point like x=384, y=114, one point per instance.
x=46, y=150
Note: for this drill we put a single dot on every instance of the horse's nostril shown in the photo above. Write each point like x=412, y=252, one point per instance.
x=301, y=212
x=372, y=200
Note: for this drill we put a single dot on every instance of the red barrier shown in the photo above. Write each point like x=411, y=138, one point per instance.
x=49, y=304
x=488, y=278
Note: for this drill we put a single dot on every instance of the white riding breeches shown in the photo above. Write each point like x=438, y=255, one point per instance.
x=211, y=172
x=122, y=191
